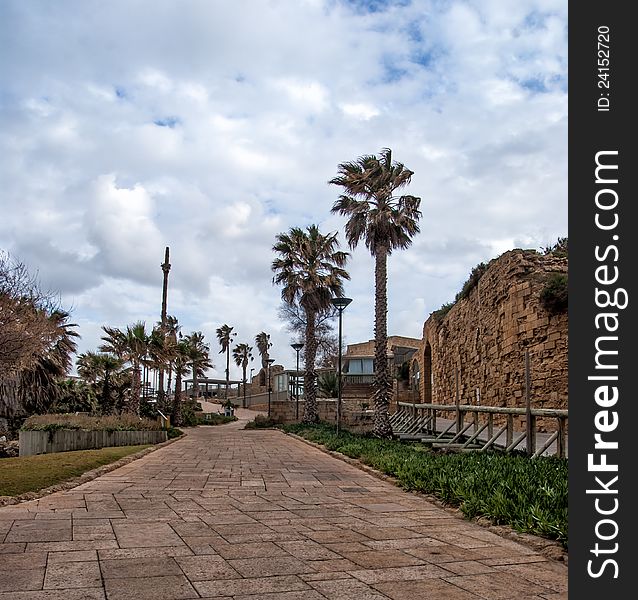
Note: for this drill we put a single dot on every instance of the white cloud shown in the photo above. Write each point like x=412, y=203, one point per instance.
x=128, y=127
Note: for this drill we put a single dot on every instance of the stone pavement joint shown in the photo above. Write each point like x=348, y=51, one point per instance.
x=241, y=514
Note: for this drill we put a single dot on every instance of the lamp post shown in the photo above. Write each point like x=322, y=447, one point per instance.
x=251, y=386
x=296, y=347
x=340, y=304
x=270, y=362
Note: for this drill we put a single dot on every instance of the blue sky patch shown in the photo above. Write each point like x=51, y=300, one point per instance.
x=167, y=122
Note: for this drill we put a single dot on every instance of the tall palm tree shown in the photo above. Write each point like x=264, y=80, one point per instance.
x=197, y=358
x=130, y=346
x=385, y=222
x=172, y=329
x=310, y=269
x=242, y=354
x=224, y=336
x=181, y=366
x=263, y=343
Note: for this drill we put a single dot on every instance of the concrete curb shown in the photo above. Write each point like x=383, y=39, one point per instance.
x=548, y=548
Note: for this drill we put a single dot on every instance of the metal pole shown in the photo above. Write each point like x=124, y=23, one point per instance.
x=339, y=382
x=297, y=385
x=269, y=390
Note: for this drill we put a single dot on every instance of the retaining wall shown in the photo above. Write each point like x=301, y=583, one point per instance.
x=65, y=440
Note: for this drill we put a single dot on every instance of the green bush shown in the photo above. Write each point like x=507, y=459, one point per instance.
x=554, y=295
x=215, y=419
x=529, y=495
x=260, y=422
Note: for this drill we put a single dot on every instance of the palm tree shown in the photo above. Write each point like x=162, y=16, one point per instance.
x=242, y=354
x=384, y=222
x=172, y=330
x=224, y=337
x=130, y=346
x=94, y=367
x=262, y=341
x=38, y=384
x=309, y=268
x=197, y=358
x=181, y=366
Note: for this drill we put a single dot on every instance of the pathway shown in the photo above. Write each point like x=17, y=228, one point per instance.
x=250, y=515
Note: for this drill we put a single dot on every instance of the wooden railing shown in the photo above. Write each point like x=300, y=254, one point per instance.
x=419, y=421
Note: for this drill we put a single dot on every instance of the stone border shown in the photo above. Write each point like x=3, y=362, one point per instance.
x=548, y=548
x=85, y=477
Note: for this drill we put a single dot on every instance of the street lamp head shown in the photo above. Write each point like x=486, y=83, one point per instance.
x=297, y=346
x=270, y=361
x=340, y=302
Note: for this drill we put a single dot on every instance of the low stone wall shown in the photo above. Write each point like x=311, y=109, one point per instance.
x=356, y=421
x=65, y=440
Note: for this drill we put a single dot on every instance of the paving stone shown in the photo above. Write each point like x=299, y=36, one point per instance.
x=74, y=556
x=346, y=590
x=498, y=588
x=265, y=567
x=67, y=575
x=427, y=588
x=375, y=559
x=204, y=568
x=227, y=513
x=21, y=579
x=246, y=587
x=139, y=567
x=169, y=587
x=24, y=560
x=83, y=594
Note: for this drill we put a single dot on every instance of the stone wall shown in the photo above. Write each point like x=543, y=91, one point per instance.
x=480, y=343
x=352, y=418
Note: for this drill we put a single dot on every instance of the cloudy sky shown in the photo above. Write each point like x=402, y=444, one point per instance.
x=211, y=126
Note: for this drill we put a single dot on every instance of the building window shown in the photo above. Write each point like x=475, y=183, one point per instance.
x=359, y=366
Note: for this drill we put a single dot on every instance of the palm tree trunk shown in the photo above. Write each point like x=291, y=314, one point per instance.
x=134, y=405
x=311, y=414
x=106, y=394
x=243, y=378
x=227, y=368
x=176, y=415
x=382, y=387
x=195, y=383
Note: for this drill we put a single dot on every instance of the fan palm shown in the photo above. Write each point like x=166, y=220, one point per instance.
x=263, y=343
x=224, y=337
x=94, y=367
x=131, y=346
x=242, y=354
x=37, y=384
x=384, y=222
x=310, y=270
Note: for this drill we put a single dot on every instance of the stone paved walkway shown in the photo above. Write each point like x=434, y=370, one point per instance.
x=250, y=515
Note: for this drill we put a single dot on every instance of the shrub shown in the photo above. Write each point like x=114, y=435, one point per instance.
x=260, y=422
x=215, y=419
x=475, y=275
x=554, y=295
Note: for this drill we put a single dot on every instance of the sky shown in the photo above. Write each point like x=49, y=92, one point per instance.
x=211, y=126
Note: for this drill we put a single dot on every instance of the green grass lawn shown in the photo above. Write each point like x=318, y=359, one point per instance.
x=32, y=473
